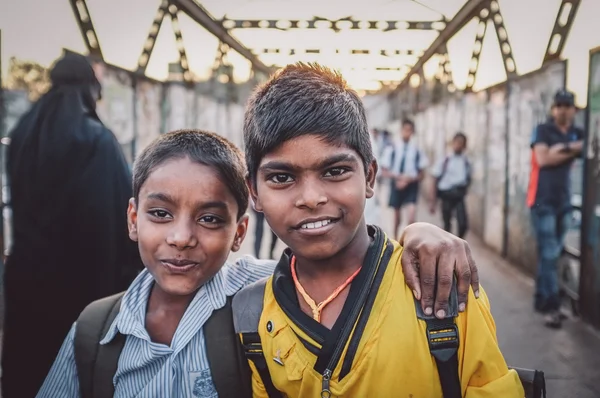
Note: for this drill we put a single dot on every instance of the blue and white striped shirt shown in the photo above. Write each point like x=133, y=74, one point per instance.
x=152, y=370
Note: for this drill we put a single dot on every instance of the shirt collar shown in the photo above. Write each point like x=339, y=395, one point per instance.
x=131, y=319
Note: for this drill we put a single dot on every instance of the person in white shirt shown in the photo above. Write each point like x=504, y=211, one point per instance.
x=404, y=164
x=452, y=179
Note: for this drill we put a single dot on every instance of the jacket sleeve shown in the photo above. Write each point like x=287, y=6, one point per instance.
x=258, y=388
x=482, y=367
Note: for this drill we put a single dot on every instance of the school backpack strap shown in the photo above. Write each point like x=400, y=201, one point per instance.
x=229, y=369
x=442, y=336
x=97, y=364
x=247, y=308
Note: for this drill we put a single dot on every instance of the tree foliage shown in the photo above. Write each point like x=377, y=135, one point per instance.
x=29, y=76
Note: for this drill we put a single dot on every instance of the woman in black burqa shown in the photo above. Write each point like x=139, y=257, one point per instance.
x=70, y=186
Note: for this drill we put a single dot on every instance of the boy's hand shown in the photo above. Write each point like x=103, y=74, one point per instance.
x=428, y=248
x=432, y=207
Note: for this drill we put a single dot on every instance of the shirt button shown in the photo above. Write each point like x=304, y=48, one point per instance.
x=269, y=326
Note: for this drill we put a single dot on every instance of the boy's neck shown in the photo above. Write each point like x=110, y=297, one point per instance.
x=326, y=275
x=162, y=301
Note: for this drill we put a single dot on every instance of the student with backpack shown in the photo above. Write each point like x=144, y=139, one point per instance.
x=171, y=333
x=452, y=176
x=403, y=163
x=335, y=319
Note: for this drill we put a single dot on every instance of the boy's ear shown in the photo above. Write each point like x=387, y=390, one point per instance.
x=371, y=177
x=132, y=220
x=240, y=233
x=253, y=194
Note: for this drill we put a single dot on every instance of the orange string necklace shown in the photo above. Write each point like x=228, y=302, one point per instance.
x=317, y=308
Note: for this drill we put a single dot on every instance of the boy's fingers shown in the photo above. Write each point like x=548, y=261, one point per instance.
x=473, y=269
x=445, y=273
x=410, y=268
x=427, y=262
x=463, y=273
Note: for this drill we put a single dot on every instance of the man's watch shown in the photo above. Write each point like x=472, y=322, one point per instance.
x=567, y=147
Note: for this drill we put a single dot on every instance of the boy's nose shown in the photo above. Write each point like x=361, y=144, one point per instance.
x=182, y=236
x=311, y=196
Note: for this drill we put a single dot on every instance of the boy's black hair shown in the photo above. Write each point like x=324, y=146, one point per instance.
x=461, y=135
x=409, y=123
x=303, y=99
x=201, y=147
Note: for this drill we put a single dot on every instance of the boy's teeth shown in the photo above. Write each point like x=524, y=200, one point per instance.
x=316, y=224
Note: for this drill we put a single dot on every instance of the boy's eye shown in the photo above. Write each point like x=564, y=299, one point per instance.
x=210, y=219
x=280, y=178
x=335, y=172
x=159, y=213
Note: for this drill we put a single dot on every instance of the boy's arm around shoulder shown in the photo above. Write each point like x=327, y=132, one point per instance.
x=484, y=370
x=62, y=381
x=245, y=271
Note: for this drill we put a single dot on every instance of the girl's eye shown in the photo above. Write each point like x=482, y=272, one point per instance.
x=281, y=178
x=335, y=172
x=159, y=213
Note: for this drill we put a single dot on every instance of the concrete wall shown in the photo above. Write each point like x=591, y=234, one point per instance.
x=137, y=109
x=529, y=102
x=498, y=123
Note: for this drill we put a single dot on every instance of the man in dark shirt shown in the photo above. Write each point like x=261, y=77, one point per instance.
x=555, y=145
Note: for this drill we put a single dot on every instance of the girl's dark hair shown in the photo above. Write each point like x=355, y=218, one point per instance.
x=201, y=147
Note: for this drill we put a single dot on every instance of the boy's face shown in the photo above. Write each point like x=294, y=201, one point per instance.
x=406, y=132
x=313, y=195
x=185, y=223
x=458, y=144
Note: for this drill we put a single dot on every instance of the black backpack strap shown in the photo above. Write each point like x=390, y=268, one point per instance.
x=442, y=337
x=247, y=308
x=97, y=364
x=229, y=369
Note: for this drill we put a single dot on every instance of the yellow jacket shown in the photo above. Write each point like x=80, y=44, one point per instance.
x=393, y=357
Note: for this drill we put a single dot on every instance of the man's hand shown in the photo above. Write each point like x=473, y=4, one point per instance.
x=402, y=181
x=428, y=249
x=576, y=146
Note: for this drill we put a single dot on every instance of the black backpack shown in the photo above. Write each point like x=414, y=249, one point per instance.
x=442, y=335
x=97, y=364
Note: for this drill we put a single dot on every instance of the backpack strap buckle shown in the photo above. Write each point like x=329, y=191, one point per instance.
x=442, y=336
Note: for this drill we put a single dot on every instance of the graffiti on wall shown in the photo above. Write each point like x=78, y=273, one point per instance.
x=149, y=100
x=530, y=101
x=16, y=104
x=475, y=128
x=116, y=107
x=495, y=169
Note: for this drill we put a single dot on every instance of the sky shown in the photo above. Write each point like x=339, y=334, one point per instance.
x=39, y=29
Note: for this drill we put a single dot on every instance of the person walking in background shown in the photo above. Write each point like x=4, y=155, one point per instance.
x=555, y=145
x=404, y=163
x=452, y=179
x=259, y=229
x=70, y=186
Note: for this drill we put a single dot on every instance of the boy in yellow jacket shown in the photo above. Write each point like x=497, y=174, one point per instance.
x=337, y=320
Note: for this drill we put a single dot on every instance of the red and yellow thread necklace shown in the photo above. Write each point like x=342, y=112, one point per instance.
x=317, y=308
